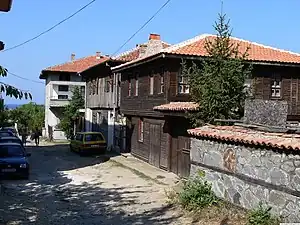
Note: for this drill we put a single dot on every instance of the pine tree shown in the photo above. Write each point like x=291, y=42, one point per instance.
x=218, y=84
x=71, y=112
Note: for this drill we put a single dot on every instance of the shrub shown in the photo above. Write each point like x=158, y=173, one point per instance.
x=196, y=194
x=262, y=216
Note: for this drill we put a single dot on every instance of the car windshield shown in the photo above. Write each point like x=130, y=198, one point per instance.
x=93, y=137
x=7, y=151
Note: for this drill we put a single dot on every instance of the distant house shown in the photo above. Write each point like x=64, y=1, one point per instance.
x=155, y=96
x=59, y=81
x=103, y=95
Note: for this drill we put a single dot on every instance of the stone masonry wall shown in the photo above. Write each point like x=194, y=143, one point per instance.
x=245, y=176
x=266, y=112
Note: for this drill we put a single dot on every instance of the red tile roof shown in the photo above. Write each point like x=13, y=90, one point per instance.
x=257, y=52
x=78, y=65
x=247, y=136
x=177, y=106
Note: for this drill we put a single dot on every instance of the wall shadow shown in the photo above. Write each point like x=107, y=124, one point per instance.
x=50, y=197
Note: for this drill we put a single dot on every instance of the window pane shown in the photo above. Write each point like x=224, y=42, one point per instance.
x=151, y=85
x=180, y=89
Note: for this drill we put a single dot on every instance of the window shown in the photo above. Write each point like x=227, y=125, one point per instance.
x=129, y=86
x=63, y=88
x=183, y=83
x=62, y=96
x=162, y=83
x=141, y=130
x=93, y=137
x=64, y=77
x=108, y=84
x=82, y=90
x=136, y=92
x=151, y=84
x=79, y=137
x=97, y=86
x=276, y=87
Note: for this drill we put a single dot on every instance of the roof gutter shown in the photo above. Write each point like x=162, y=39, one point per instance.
x=146, y=60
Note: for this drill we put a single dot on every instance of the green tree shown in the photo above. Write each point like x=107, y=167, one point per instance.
x=29, y=116
x=71, y=112
x=12, y=91
x=218, y=84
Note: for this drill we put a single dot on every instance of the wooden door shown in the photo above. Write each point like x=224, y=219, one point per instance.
x=154, y=154
x=184, y=145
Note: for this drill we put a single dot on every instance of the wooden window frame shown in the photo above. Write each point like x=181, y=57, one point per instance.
x=276, y=87
x=141, y=130
x=151, y=83
x=162, y=81
x=182, y=84
x=129, y=86
x=136, y=88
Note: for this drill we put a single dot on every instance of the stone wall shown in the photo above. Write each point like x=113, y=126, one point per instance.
x=266, y=112
x=245, y=176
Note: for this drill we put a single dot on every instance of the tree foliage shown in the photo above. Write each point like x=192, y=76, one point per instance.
x=71, y=112
x=218, y=84
x=29, y=116
x=12, y=91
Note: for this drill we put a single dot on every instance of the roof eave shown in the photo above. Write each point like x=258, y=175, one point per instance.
x=139, y=62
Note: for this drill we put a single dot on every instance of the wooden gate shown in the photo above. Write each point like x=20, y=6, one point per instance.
x=155, y=138
x=180, y=156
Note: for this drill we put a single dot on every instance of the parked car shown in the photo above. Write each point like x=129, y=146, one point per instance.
x=88, y=142
x=10, y=139
x=6, y=133
x=13, y=160
x=12, y=129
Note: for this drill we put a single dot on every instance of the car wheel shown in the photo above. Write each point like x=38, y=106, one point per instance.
x=71, y=149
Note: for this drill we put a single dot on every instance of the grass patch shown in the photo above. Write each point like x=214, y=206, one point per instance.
x=200, y=203
x=262, y=216
x=136, y=172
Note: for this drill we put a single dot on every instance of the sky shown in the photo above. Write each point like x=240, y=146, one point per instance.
x=105, y=25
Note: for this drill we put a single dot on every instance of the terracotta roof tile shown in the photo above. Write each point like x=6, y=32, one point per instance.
x=247, y=136
x=78, y=65
x=257, y=52
x=177, y=106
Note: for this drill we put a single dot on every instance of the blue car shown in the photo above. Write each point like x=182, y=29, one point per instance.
x=13, y=161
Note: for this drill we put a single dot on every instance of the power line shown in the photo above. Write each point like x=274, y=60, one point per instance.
x=35, y=81
x=51, y=28
x=145, y=24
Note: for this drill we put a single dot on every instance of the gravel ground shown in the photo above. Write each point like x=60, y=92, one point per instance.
x=67, y=189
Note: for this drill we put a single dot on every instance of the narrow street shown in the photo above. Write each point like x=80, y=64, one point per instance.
x=65, y=188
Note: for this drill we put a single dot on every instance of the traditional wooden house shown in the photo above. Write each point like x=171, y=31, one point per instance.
x=155, y=96
x=103, y=94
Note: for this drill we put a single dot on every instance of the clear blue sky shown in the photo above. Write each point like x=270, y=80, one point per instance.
x=106, y=25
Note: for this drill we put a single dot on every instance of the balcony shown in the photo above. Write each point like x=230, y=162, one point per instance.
x=55, y=102
x=60, y=92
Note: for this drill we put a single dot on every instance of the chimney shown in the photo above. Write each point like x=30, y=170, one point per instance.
x=72, y=57
x=154, y=37
x=142, y=50
x=98, y=55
